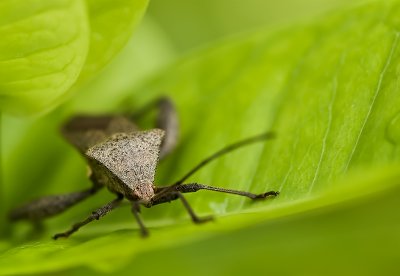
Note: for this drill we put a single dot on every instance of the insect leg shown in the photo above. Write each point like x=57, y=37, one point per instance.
x=192, y=214
x=194, y=187
x=50, y=205
x=96, y=215
x=136, y=212
x=167, y=195
x=167, y=120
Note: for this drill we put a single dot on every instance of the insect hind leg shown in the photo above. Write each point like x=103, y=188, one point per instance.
x=48, y=206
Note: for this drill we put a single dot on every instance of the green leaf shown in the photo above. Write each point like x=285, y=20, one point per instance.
x=329, y=91
x=42, y=50
x=111, y=23
x=48, y=45
x=149, y=50
x=308, y=234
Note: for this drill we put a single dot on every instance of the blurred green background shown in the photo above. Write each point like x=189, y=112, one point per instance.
x=191, y=24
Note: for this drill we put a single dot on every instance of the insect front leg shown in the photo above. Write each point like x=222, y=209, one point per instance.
x=173, y=192
x=96, y=215
x=194, y=187
x=167, y=195
x=196, y=219
x=50, y=205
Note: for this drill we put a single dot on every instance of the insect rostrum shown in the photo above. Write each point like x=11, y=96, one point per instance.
x=123, y=159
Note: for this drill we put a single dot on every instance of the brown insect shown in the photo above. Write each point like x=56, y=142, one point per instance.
x=124, y=159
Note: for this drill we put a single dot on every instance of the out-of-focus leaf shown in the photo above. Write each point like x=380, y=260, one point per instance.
x=48, y=45
x=111, y=26
x=230, y=17
x=148, y=51
x=43, y=47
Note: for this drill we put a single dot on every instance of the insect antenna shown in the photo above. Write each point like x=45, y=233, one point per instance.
x=232, y=147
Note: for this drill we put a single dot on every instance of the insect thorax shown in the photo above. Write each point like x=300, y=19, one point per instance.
x=126, y=162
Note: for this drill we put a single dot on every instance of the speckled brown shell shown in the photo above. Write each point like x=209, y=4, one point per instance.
x=128, y=161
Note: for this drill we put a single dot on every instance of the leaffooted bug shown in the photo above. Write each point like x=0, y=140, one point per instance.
x=123, y=158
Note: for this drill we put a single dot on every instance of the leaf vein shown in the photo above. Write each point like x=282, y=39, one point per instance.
x=328, y=129
x=376, y=94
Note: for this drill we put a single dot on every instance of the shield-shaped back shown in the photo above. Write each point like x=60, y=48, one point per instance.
x=131, y=157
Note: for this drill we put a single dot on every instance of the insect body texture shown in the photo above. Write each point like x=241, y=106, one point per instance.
x=128, y=162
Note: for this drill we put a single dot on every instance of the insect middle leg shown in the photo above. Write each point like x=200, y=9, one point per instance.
x=96, y=215
x=136, y=212
x=193, y=216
